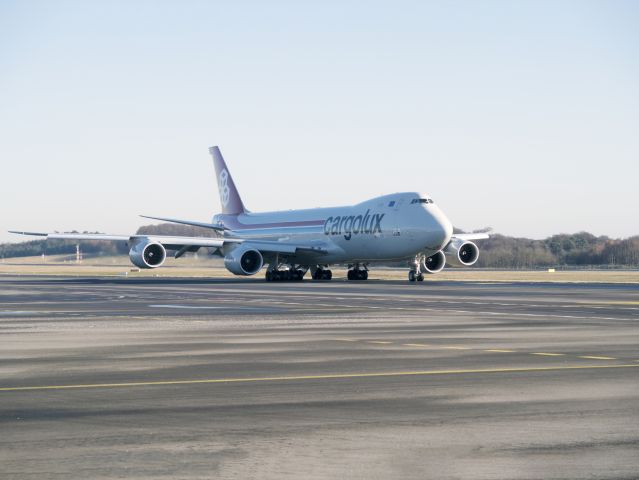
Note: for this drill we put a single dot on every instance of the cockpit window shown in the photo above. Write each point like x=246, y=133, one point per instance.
x=422, y=200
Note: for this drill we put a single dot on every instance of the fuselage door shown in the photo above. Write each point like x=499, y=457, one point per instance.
x=396, y=212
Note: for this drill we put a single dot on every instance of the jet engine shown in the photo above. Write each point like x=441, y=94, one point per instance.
x=244, y=261
x=461, y=253
x=433, y=264
x=147, y=254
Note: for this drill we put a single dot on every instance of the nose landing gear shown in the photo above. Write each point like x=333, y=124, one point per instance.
x=415, y=273
x=415, y=276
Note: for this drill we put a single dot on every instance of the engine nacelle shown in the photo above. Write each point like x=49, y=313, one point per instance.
x=147, y=254
x=244, y=261
x=433, y=264
x=460, y=253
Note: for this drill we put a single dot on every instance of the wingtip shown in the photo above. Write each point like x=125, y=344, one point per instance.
x=161, y=219
x=35, y=234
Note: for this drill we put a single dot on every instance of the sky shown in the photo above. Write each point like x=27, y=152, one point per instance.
x=520, y=116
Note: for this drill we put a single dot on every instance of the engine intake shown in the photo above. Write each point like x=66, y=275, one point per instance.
x=433, y=264
x=244, y=261
x=147, y=254
x=461, y=253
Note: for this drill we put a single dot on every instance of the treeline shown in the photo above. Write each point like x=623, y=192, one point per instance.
x=579, y=249
x=61, y=247
x=499, y=251
x=93, y=247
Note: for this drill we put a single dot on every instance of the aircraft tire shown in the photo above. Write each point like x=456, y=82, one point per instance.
x=357, y=275
x=411, y=276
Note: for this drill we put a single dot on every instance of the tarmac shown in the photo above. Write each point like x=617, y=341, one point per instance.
x=191, y=378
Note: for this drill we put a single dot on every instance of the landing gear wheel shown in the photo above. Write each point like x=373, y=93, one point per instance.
x=411, y=276
x=420, y=277
x=321, y=274
x=357, y=274
x=295, y=275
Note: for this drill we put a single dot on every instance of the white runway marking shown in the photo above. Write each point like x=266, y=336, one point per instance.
x=196, y=307
x=20, y=312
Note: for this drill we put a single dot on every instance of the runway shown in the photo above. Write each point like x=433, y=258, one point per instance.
x=162, y=378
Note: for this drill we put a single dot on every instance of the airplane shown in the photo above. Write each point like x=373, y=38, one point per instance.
x=406, y=226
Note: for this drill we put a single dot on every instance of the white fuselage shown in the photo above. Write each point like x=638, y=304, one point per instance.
x=390, y=227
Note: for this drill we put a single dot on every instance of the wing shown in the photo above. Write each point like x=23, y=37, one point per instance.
x=261, y=245
x=183, y=244
x=471, y=236
x=285, y=247
x=74, y=236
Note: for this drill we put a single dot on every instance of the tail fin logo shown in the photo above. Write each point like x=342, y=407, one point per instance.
x=225, y=191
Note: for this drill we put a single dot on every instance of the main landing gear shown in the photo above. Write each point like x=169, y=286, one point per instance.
x=290, y=275
x=322, y=274
x=357, y=272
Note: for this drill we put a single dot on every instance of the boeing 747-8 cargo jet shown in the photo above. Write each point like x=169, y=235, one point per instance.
x=397, y=227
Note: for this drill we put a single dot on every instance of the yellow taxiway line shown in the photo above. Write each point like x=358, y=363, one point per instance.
x=316, y=377
x=489, y=350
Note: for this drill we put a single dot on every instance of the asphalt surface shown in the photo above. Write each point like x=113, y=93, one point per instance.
x=155, y=378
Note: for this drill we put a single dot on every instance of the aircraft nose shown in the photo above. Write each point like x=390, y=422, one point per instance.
x=442, y=226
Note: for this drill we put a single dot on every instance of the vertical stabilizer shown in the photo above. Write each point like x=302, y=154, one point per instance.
x=229, y=196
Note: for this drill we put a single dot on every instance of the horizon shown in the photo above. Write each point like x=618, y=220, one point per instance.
x=461, y=230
